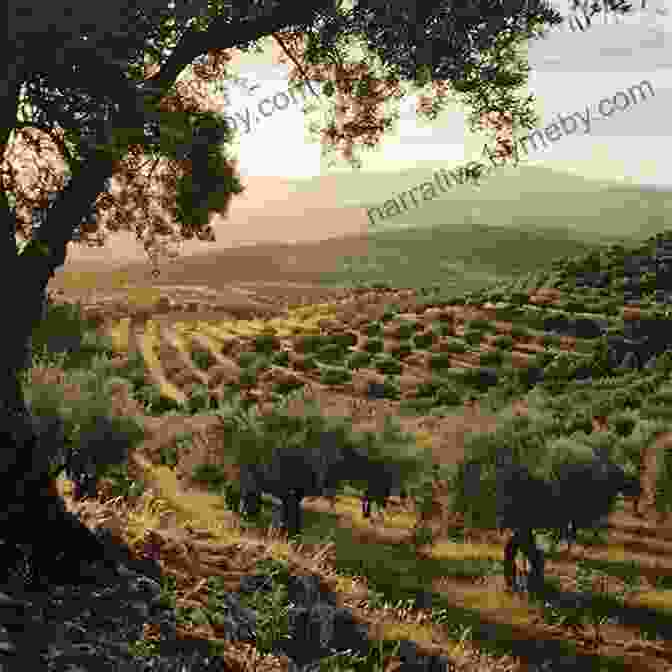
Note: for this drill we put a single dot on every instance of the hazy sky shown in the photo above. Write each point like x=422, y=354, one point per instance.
x=570, y=70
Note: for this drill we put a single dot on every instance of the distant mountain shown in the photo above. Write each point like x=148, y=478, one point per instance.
x=526, y=197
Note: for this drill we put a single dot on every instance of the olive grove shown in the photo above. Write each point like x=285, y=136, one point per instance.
x=106, y=104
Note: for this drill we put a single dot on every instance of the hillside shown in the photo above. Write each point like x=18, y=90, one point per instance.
x=561, y=355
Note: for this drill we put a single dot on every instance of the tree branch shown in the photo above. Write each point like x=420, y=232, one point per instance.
x=222, y=34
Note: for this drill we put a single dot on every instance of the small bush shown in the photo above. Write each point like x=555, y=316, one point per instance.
x=428, y=388
x=405, y=330
x=439, y=361
x=198, y=400
x=579, y=422
x=491, y=358
x=424, y=340
x=418, y=405
x=266, y=343
x=309, y=343
x=622, y=424
x=454, y=345
x=473, y=337
x=308, y=363
x=330, y=353
x=280, y=358
x=284, y=387
x=519, y=298
x=335, y=376
x=211, y=474
x=389, y=366
x=247, y=359
x=248, y=378
x=551, y=340
x=504, y=342
x=202, y=358
x=373, y=329
x=388, y=316
x=347, y=339
x=359, y=360
x=374, y=345
x=448, y=396
x=480, y=325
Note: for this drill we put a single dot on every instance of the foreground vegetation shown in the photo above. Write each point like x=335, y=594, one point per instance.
x=437, y=584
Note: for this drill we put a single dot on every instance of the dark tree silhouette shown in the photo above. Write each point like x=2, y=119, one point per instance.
x=94, y=115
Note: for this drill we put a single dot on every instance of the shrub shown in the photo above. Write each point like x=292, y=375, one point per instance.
x=309, y=343
x=454, y=345
x=211, y=474
x=551, y=340
x=266, y=343
x=479, y=325
x=622, y=424
x=579, y=422
x=331, y=353
x=308, y=363
x=504, y=342
x=202, y=358
x=388, y=316
x=247, y=378
x=390, y=389
x=405, y=330
x=280, y=358
x=428, y=388
x=418, y=405
x=575, y=306
x=424, y=340
x=448, y=396
x=373, y=329
x=335, y=376
x=156, y=404
x=199, y=400
x=473, y=337
x=246, y=359
x=519, y=298
x=374, y=345
x=456, y=301
x=439, y=361
x=284, y=387
x=359, y=360
x=491, y=358
x=347, y=339
x=388, y=365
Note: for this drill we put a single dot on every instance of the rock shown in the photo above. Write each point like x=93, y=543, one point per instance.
x=558, y=324
x=487, y=376
x=587, y=328
x=651, y=364
x=583, y=372
x=630, y=361
x=376, y=391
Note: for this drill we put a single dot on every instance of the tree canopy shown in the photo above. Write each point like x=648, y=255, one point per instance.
x=110, y=103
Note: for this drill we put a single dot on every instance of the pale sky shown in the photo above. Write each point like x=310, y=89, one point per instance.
x=570, y=70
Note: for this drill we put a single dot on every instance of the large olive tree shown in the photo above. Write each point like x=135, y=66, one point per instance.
x=98, y=84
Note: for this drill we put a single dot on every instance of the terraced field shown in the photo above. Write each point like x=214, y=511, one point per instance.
x=445, y=369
